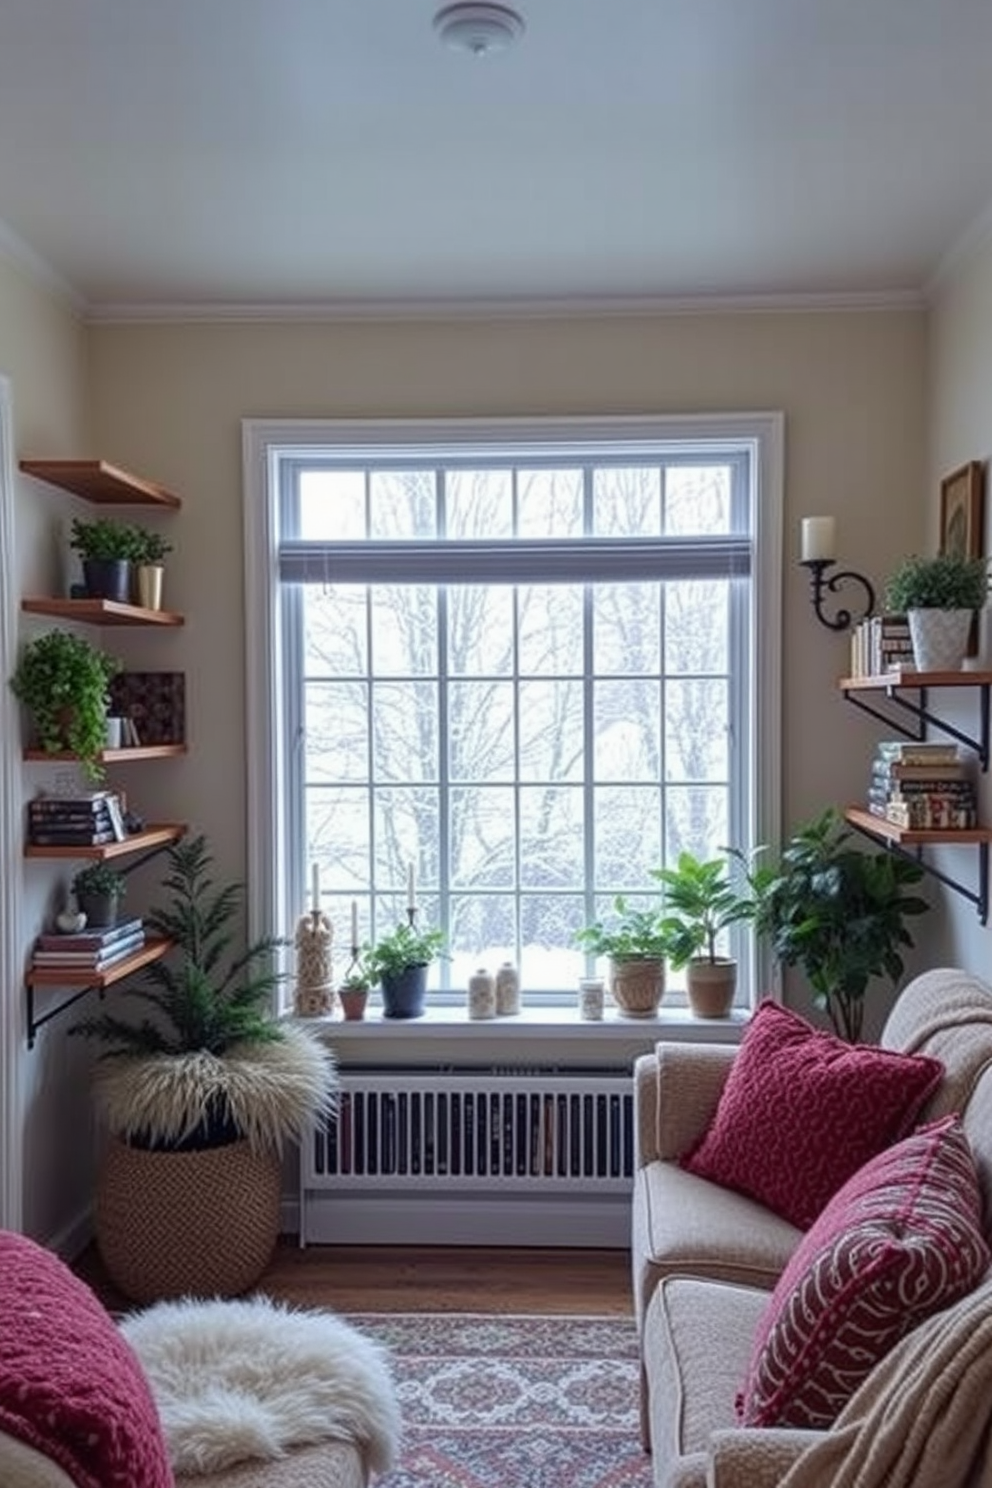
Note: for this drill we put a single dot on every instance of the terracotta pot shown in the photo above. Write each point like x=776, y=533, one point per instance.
x=353, y=1003
x=711, y=986
x=637, y=985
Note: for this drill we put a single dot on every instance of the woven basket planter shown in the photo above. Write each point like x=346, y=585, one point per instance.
x=637, y=986
x=176, y=1224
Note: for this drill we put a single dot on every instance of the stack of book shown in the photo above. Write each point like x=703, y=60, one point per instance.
x=881, y=644
x=87, y=951
x=89, y=819
x=922, y=786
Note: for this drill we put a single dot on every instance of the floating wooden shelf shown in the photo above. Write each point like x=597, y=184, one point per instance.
x=877, y=826
x=101, y=483
x=54, y=976
x=150, y=839
x=100, y=612
x=114, y=756
x=906, y=706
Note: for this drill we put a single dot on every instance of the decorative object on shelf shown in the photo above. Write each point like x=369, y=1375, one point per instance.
x=314, y=995
x=154, y=703
x=71, y=920
x=63, y=682
x=507, y=990
x=941, y=597
x=701, y=902
x=99, y=890
x=636, y=944
x=200, y=1103
x=399, y=963
x=592, y=996
x=818, y=548
x=837, y=912
x=107, y=550
x=481, y=994
x=149, y=571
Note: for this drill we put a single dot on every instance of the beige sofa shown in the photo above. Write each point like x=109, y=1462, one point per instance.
x=705, y=1258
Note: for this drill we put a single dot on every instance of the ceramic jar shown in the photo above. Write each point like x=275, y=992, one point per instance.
x=507, y=990
x=591, y=999
x=482, y=994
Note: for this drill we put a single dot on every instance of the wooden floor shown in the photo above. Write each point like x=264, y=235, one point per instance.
x=432, y=1279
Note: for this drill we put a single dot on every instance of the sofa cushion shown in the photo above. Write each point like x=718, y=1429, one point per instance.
x=803, y=1110
x=70, y=1385
x=900, y=1241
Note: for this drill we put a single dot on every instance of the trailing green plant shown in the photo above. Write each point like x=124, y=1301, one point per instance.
x=62, y=680
x=105, y=540
x=99, y=880
x=701, y=902
x=149, y=546
x=629, y=935
x=947, y=582
x=396, y=952
x=212, y=1063
x=839, y=913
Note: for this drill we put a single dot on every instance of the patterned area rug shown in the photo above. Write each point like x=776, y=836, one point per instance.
x=513, y=1402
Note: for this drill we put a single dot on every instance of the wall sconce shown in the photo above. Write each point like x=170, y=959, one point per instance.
x=819, y=541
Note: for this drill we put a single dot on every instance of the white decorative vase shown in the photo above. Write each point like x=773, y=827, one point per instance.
x=940, y=639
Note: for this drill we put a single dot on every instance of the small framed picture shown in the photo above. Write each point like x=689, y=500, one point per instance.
x=962, y=511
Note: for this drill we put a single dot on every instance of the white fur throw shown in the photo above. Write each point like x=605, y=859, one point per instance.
x=240, y=1380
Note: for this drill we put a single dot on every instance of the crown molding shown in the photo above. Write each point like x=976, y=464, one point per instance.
x=504, y=309
x=31, y=263
x=974, y=238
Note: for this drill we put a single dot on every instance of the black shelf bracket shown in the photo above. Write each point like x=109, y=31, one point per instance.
x=978, y=897
x=919, y=712
x=34, y=1024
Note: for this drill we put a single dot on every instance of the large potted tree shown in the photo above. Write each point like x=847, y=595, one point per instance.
x=701, y=902
x=199, y=1100
x=839, y=913
x=635, y=943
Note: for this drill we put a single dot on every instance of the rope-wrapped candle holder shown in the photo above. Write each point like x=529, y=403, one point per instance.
x=314, y=971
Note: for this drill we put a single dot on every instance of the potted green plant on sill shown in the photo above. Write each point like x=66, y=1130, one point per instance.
x=636, y=944
x=63, y=682
x=701, y=902
x=353, y=993
x=839, y=913
x=107, y=550
x=200, y=1098
x=399, y=962
x=99, y=890
x=940, y=597
x=150, y=550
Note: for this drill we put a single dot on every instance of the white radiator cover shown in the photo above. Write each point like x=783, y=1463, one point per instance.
x=472, y=1157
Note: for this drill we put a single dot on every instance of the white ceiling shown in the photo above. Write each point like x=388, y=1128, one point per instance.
x=183, y=152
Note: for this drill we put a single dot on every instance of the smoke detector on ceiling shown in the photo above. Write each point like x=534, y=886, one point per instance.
x=478, y=29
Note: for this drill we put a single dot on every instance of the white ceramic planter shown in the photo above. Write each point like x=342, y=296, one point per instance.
x=940, y=639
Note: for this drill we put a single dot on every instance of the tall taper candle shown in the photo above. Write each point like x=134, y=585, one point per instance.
x=411, y=888
x=354, y=924
x=315, y=887
x=819, y=539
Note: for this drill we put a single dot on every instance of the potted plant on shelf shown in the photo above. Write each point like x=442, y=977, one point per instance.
x=63, y=682
x=701, y=902
x=199, y=1100
x=99, y=890
x=940, y=597
x=399, y=962
x=839, y=913
x=150, y=548
x=636, y=944
x=107, y=550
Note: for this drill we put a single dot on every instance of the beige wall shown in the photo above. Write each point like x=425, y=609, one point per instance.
x=43, y=352
x=960, y=402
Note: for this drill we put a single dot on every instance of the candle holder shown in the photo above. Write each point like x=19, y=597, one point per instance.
x=843, y=618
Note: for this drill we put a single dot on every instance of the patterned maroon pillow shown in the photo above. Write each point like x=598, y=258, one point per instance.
x=901, y=1240
x=802, y=1111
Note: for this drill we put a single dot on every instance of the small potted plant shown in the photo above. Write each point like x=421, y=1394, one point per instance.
x=940, y=597
x=63, y=682
x=98, y=891
x=150, y=548
x=701, y=902
x=399, y=962
x=107, y=550
x=636, y=944
x=353, y=993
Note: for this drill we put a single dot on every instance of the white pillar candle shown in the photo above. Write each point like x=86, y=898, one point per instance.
x=315, y=887
x=354, y=923
x=411, y=886
x=819, y=539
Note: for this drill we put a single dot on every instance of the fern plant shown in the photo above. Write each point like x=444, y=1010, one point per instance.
x=212, y=1063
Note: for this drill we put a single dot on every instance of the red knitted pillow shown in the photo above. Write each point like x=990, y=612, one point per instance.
x=901, y=1240
x=70, y=1385
x=802, y=1111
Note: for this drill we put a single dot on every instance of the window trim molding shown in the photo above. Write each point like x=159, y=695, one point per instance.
x=264, y=441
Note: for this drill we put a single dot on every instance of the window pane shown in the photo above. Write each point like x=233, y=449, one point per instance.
x=628, y=730
x=332, y=504
x=550, y=624
x=480, y=631
x=627, y=628
x=335, y=643
x=404, y=731
x=483, y=837
x=483, y=933
x=479, y=503
x=337, y=836
x=549, y=503
x=336, y=721
x=697, y=626
x=549, y=959
x=696, y=730
x=697, y=499
x=404, y=630
x=551, y=746
x=406, y=823
x=627, y=502
x=628, y=835
x=551, y=837
x=480, y=724
x=695, y=821
x=404, y=503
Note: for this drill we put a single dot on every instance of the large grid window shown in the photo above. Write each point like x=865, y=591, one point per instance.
x=526, y=671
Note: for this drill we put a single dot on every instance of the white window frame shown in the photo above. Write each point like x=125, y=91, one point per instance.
x=274, y=889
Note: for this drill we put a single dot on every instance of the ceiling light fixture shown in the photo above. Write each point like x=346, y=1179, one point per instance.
x=479, y=29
